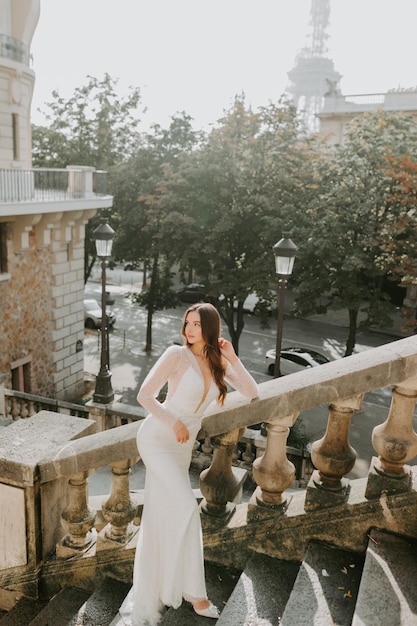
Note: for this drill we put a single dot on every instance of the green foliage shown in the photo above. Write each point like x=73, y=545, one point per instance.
x=215, y=204
x=235, y=190
x=343, y=262
x=94, y=127
x=152, y=223
x=161, y=297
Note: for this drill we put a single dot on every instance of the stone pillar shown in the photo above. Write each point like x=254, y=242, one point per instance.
x=33, y=509
x=219, y=483
x=78, y=518
x=119, y=510
x=80, y=183
x=333, y=457
x=395, y=442
x=273, y=472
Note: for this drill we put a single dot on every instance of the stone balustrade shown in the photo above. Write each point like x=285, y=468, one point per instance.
x=60, y=481
x=20, y=405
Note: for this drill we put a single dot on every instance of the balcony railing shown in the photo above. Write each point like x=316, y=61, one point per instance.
x=11, y=48
x=103, y=532
x=49, y=185
x=396, y=100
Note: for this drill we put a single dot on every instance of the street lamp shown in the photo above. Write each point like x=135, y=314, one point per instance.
x=284, y=252
x=103, y=393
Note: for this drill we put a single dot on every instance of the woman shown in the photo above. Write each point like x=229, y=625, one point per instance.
x=169, y=563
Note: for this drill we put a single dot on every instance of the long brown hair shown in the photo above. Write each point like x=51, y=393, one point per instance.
x=210, y=330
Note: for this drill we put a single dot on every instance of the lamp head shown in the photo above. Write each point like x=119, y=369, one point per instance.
x=103, y=235
x=284, y=251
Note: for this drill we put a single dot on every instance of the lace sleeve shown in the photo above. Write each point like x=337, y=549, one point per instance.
x=239, y=378
x=161, y=372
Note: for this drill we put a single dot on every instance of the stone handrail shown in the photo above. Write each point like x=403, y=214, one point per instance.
x=339, y=384
x=18, y=405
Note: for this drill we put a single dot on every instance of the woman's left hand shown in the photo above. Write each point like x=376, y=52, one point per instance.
x=227, y=350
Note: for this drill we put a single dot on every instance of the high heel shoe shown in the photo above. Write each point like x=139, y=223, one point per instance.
x=210, y=611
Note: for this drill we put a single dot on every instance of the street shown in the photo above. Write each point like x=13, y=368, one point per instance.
x=129, y=363
x=127, y=339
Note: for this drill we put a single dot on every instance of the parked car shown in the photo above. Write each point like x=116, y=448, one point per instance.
x=132, y=266
x=294, y=360
x=194, y=292
x=253, y=303
x=93, y=315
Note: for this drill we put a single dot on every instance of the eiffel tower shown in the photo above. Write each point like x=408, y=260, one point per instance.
x=313, y=74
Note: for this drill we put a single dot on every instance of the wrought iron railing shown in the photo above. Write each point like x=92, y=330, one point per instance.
x=43, y=184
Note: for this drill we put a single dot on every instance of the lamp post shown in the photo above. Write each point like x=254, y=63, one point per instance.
x=103, y=393
x=284, y=251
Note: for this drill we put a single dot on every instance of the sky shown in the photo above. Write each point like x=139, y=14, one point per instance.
x=197, y=55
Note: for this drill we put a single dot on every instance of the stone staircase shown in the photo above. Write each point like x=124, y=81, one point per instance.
x=330, y=587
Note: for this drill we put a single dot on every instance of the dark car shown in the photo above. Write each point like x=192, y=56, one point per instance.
x=194, y=292
x=294, y=359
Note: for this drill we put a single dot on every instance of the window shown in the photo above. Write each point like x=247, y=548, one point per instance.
x=3, y=248
x=15, y=131
x=21, y=374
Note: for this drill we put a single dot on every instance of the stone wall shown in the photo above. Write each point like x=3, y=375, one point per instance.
x=41, y=300
x=67, y=296
x=27, y=320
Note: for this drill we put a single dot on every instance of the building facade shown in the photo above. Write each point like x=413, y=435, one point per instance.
x=43, y=214
x=339, y=110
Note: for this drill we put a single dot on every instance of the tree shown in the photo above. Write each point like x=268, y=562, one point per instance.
x=236, y=189
x=95, y=127
x=152, y=227
x=399, y=246
x=343, y=262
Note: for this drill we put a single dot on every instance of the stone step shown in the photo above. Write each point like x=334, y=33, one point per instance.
x=220, y=583
x=70, y=607
x=23, y=612
x=261, y=593
x=60, y=608
x=331, y=587
x=388, y=586
x=326, y=588
x=102, y=606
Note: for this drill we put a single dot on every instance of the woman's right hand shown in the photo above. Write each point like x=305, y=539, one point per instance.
x=181, y=432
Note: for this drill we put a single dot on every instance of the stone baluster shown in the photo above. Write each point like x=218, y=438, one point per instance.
x=24, y=409
x=207, y=446
x=333, y=457
x=248, y=454
x=78, y=518
x=14, y=409
x=119, y=510
x=218, y=483
x=236, y=453
x=395, y=443
x=273, y=472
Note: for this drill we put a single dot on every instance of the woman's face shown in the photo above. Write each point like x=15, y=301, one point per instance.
x=192, y=328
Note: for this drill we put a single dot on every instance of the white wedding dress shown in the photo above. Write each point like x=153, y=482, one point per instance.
x=169, y=563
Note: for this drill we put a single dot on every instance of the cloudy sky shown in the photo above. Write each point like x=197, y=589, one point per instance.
x=196, y=55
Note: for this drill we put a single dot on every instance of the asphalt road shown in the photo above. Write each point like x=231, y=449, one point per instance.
x=129, y=363
x=127, y=339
